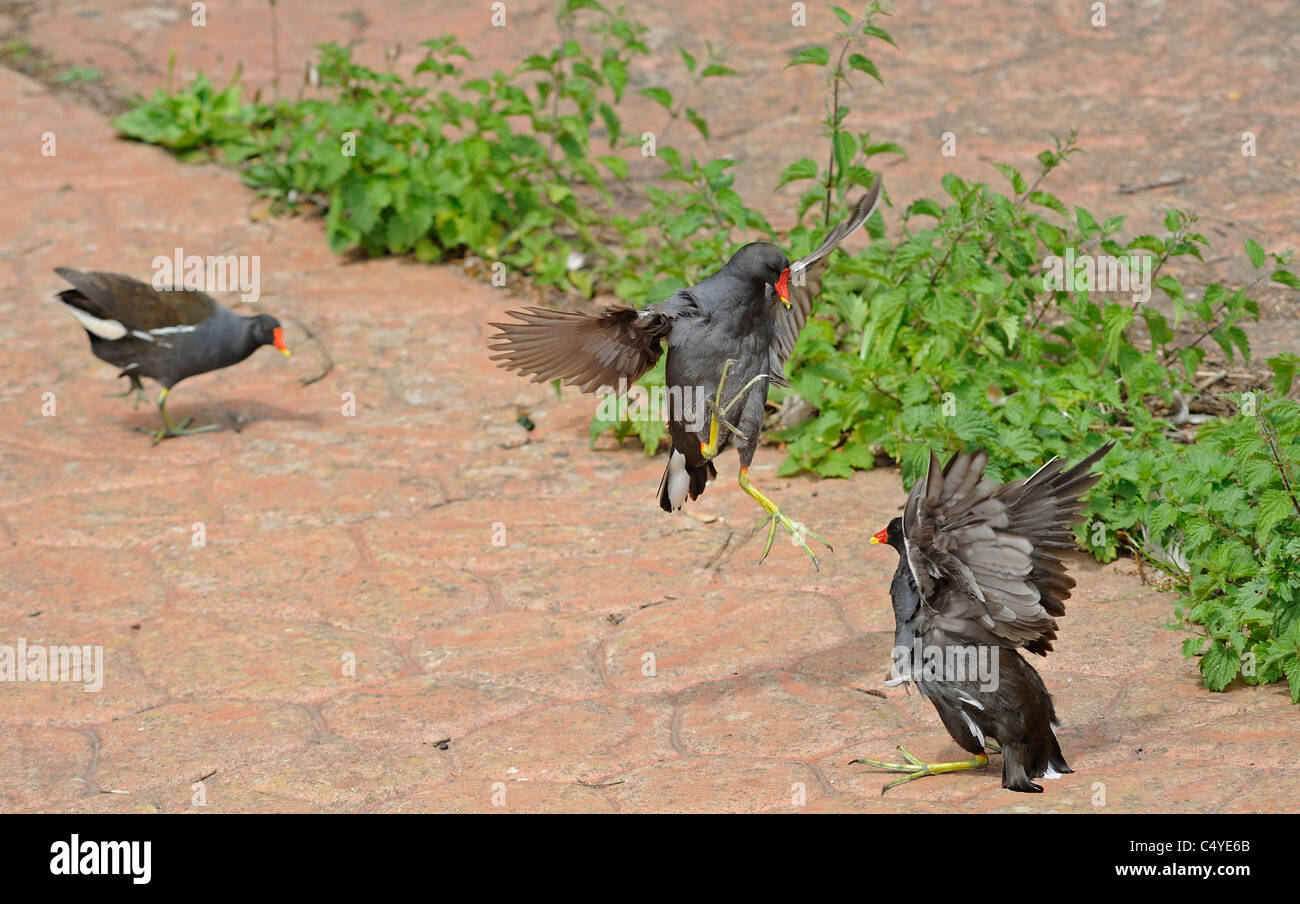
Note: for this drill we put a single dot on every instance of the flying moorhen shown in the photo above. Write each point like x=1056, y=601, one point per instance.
x=164, y=334
x=726, y=332
x=975, y=582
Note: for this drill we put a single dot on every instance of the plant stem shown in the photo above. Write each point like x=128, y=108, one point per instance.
x=1267, y=429
x=275, y=54
x=836, y=77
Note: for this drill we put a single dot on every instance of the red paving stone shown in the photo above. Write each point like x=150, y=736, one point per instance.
x=349, y=610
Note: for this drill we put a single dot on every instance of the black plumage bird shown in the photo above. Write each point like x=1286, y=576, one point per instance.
x=977, y=581
x=728, y=338
x=163, y=334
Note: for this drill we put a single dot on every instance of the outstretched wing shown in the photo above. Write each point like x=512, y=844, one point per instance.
x=585, y=350
x=787, y=322
x=979, y=552
x=133, y=305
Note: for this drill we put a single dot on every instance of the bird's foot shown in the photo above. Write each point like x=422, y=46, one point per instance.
x=916, y=768
x=798, y=532
x=136, y=387
x=774, y=517
x=171, y=431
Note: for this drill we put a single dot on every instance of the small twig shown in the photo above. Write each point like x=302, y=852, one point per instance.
x=1147, y=186
x=329, y=359
x=599, y=784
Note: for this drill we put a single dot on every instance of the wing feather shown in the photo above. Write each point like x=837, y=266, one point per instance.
x=979, y=551
x=787, y=322
x=585, y=350
x=136, y=305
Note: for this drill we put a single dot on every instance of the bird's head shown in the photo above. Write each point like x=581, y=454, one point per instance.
x=892, y=535
x=766, y=263
x=267, y=331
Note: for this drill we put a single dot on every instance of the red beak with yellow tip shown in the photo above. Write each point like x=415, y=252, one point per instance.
x=783, y=287
x=277, y=338
x=880, y=536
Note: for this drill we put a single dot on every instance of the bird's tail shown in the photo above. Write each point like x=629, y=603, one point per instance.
x=681, y=479
x=1033, y=750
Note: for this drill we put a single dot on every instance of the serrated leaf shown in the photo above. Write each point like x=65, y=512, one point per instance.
x=880, y=33
x=616, y=73
x=804, y=168
x=862, y=64
x=1219, y=665
x=660, y=96
x=815, y=56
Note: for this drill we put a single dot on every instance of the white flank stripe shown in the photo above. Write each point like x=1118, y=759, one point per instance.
x=974, y=729
x=168, y=330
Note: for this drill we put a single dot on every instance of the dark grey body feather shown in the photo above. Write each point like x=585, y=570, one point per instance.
x=220, y=341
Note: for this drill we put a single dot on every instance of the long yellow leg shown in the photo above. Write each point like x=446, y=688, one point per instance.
x=776, y=516
x=169, y=429
x=718, y=411
x=918, y=769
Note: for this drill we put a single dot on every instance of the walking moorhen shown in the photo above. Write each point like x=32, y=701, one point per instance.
x=164, y=334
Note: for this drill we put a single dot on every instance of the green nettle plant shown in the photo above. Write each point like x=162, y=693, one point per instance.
x=957, y=331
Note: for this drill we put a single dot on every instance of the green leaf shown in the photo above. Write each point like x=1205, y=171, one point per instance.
x=1273, y=506
x=862, y=64
x=698, y=121
x=660, y=96
x=713, y=70
x=1255, y=253
x=843, y=16
x=817, y=56
x=1219, y=665
x=687, y=59
x=1286, y=278
x=803, y=168
x=616, y=73
x=846, y=146
x=1284, y=368
x=1115, y=320
x=880, y=33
